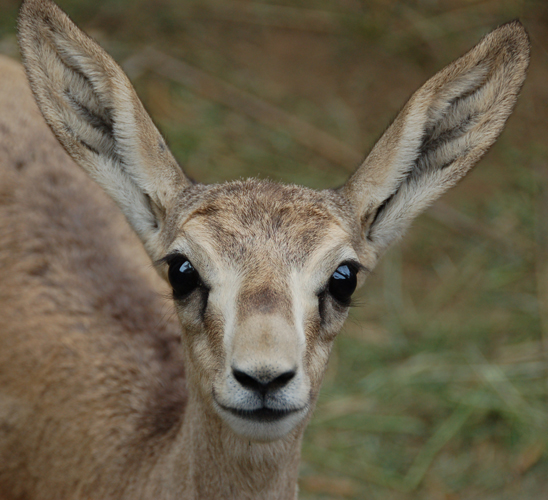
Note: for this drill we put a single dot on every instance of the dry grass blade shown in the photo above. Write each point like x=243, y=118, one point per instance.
x=495, y=377
x=339, y=487
x=372, y=423
x=216, y=90
x=522, y=353
x=369, y=472
x=446, y=368
x=461, y=223
x=432, y=27
x=273, y=16
x=445, y=432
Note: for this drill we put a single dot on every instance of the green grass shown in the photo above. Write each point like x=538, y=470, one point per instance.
x=438, y=385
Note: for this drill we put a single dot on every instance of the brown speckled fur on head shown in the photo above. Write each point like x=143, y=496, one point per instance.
x=248, y=215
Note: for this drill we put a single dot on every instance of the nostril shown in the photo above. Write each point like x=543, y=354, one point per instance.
x=262, y=383
x=281, y=380
x=248, y=381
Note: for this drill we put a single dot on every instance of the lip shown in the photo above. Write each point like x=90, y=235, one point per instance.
x=262, y=415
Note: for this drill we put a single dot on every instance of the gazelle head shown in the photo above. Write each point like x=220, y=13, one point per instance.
x=262, y=273
x=262, y=276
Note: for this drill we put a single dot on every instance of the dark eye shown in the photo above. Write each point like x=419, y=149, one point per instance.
x=183, y=278
x=343, y=283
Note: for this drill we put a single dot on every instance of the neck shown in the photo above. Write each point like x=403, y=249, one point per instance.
x=208, y=461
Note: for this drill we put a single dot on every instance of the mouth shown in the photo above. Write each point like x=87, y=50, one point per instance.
x=262, y=424
x=262, y=415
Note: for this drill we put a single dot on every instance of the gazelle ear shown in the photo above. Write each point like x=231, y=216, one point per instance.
x=442, y=131
x=96, y=115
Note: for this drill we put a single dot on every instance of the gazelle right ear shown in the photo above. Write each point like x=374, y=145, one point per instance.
x=96, y=115
x=444, y=129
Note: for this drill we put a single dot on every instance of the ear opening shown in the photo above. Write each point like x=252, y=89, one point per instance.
x=90, y=105
x=440, y=134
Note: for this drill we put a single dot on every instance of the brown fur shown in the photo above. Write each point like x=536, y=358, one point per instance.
x=113, y=342
x=108, y=390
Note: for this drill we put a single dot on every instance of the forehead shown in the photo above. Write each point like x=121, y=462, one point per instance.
x=249, y=220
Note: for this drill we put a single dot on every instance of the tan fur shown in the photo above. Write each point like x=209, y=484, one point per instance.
x=87, y=360
x=110, y=390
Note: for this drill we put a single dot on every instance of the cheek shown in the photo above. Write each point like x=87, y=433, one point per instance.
x=319, y=344
x=317, y=364
x=331, y=317
x=202, y=340
x=332, y=323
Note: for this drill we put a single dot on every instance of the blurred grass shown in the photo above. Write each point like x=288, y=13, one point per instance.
x=438, y=385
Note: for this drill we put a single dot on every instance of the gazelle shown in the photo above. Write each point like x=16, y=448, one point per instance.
x=104, y=393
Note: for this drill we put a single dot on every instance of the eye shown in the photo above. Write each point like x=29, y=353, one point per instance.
x=343, y=283
x=182, y=276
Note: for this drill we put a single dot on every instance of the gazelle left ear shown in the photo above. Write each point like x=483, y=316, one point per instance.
x=442, y=131
x=90, y=105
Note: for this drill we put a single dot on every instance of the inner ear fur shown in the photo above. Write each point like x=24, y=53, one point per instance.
x=442, y=131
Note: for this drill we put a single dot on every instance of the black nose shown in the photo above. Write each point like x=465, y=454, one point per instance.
x=263, y=381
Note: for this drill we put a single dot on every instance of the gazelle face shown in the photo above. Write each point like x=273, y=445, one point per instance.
x=262, y=276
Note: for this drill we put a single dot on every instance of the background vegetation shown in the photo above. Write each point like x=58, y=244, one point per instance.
x=438, y=385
